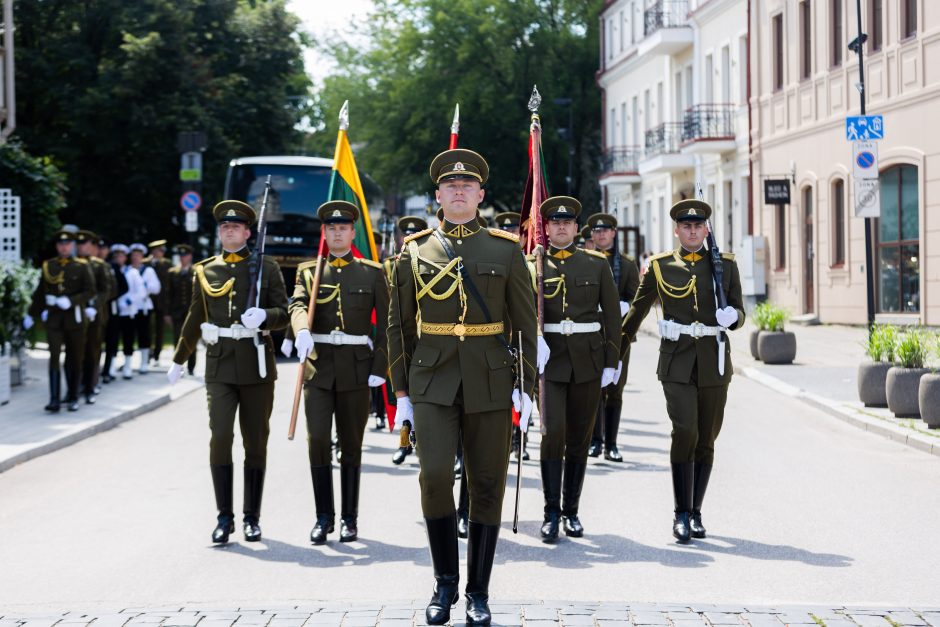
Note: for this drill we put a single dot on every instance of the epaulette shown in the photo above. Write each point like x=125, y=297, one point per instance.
x=595, y=253
x=206, y=260
x=369, y=262
x=662, y=255
x=415, y=236
x=80, y=260
x=504, y=234
x=728, y=256
x=307, y=264
x=630, y=258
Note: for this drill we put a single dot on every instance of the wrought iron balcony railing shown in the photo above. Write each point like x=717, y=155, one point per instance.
x=621, y=159
x=665, y=14
x=708, y=121
x=663, y=139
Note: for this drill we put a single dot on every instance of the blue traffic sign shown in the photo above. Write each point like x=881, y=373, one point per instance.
x=863, y=127
x=865, y=159
x=190, y=201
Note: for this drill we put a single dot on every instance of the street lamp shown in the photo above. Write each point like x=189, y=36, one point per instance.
x=568, y=135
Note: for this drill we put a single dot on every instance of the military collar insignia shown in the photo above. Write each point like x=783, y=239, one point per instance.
x=460, y=230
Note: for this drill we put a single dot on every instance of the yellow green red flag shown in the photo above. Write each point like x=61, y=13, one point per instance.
x=345, y=185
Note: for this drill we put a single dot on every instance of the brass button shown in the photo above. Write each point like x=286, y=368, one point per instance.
x=339, y=269
x=419, y=361
x=460, y=241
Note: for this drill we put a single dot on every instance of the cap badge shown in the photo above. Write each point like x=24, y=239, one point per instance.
x=336, y=214
x=231, y=212
x=562, y=209
x=459, y=167
x=692, y=212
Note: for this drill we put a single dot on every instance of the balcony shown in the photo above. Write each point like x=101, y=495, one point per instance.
x=663, y=153
x=708, y=128
x=619, y=165
x=665, y=28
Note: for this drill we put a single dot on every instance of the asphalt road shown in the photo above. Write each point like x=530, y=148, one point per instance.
x=802, y=509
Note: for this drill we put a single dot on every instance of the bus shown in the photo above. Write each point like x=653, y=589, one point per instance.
x=299, y=185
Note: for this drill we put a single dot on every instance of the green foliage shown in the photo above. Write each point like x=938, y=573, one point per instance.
x=423, y=56
x=770, y=317
x=17, y=283
x=41, y=188
x=882, y=340
x=913, y=346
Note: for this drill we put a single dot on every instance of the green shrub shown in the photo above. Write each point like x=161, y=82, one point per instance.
x=912, y=348
x=882, y=340
x=770, y=317
x=17, y=282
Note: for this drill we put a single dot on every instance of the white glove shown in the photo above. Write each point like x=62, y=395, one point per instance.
x=173, y=374
x=28, y=322
x=619, y=370
x=405, y=413
x=608, y=376
x=727, y=316
x=304, y=344
x=253, y=317
x=63, y=302
x=375, y=381
x=624, y=308
x=543, y=354
x=287, y=347
x=522, y=405
x=91, y=313
x=44, y=315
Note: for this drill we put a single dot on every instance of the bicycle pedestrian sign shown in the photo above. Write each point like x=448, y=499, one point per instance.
x=864, y=127
x=190, y=201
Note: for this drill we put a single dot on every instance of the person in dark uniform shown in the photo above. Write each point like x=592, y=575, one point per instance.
x=582, y=330
x=96, y=311
x=626, y=273
x=456, y=379
x=179, y=295
x=508, y=221
x=587, y=238
x=342, y=362
x=161, y=307
x=240, y=364
x=60, y=301
x=694, y=354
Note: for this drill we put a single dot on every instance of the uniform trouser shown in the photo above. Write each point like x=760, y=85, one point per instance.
x=92, y=355
x=129, y=330
x=112, y=337
x=352, y=413
x=253, y=403
x=696, y=414
x=569, y=419
x=159, y=328
x=485, y=440
x=74, y=343
x=611, y=399
x=177, y=333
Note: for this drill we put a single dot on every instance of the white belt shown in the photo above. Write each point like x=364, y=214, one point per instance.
x=569, y=327
x=238, y=332
x=338, y=338
x=670, y=330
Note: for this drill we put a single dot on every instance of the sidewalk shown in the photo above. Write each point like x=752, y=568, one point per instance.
x=28, y=431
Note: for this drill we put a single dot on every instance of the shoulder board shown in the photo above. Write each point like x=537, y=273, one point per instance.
x=415, y=236
x=80, y=260
x=662, y=255
x=205, y=261
x=728, y=256
x=504, y=234
x=530, y=257
x=307, y=264
x=594, y=253
x=630, y=258
x=369, y=262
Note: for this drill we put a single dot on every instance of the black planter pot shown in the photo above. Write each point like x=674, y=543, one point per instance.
x=902, y=387
x=928, y=399
x=754, y=353
x=776, y=347
x=872, y=376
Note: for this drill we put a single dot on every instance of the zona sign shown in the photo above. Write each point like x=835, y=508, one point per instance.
x=190, y=201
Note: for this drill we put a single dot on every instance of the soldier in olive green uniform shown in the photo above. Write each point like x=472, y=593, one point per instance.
x=582, y=330
x=587, y=238
x=96, y=312
x=508, y=221
x=603, y=228
x=344, y=362
x=240, y=366
x=694, y=354
x=161, y=303
x=60, y=300
x=455, y=379
x=179, y=296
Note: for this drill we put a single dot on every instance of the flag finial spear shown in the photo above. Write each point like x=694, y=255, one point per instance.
x=344, y=116
x=535, y=100
x=455, y=125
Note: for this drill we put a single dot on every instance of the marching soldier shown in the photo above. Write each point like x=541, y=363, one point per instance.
x=603, y=228
x=240, y=365
x=455, y=379
x=587, y=238
x=342, y=363
x=582, y=330
x=61, y=302
x=161, y=307
x=694, y=355
x=96, y=311
x=179, y=281
x=508, y=221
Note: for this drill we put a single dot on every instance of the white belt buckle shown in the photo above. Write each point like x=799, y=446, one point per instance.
x=238, y=331
x=336, y=337
x=567, y=327
x=697, y=330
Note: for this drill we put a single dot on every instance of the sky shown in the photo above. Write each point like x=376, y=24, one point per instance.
x=324, y=17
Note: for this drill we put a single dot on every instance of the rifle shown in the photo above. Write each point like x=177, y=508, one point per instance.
x=520, y=366
x=718, y=271
x=254, y=272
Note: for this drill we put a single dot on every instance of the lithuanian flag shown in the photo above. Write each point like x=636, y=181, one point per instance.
x=345, y=185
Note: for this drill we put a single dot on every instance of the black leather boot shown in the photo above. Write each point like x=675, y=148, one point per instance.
x=597, y=436
x=399, y=456
x=442, y=540
x=323, y=498
x=682, y=492
x=702, y=474
x=611, y=427
x=571, y=497
x=551, y=487
x=254, y=487
x=349, y=506
x=481, y=548
x=463, y=509
x=222, y=478
x=55, y=390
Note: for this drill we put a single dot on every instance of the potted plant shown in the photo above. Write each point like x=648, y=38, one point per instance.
x=873, y=374
x=903, y=382
x=17, y=282
x=928, y=393
x=776, y=345
x=759, y=316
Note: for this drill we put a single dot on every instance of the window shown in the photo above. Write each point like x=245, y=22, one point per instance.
x=659, y=102
x=898, y=245
x=623, y=123
x=835, y=28
x=806, y=39
x=726, y=75
x=875, y=25
x=908, y=18
x=743, y=62
x=781, y=229
x=709, y=96
x=647, y=118
x=777, y=24
x=610, y=39
x=635, y=120
x=837, y=200
x=622, y=31
x=613, y=128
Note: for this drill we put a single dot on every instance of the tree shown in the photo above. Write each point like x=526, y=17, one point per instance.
x=425, y=55
x=41, y=188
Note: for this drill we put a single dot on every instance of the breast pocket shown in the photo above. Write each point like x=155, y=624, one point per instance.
x=501, y=376
x=492, y=277
x=422, y=369
x=588, y=288
x=360, y=296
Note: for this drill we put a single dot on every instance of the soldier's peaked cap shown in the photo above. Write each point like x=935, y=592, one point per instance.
x=84, y=235
x=184, y=249
x=234, y=211
x=690, y=210
x=602, y=221
x=338, y=212
x=507, y=218
x=560, y=207
x=586, y=232
x=67, y=233
x=412, y=224
x=459, y=163
x=158, y=243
